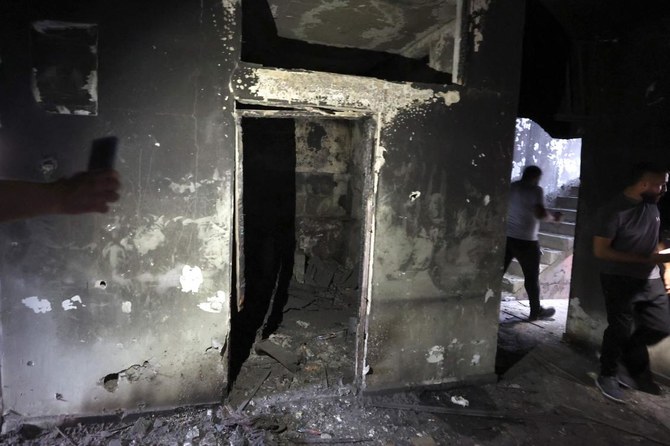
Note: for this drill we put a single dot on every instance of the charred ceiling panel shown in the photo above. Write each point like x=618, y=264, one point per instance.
x=127, y=311
x=383, y=25
x=411, y=28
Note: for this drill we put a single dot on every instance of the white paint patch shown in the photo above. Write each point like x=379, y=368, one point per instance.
x=414, y=195
x=487, y=200
x=379, y=159
x=230, y=5
x=37, y=305
x=303, y=324
x=214, y=304
x=460, y=401
x=489, y=294
x=181, y=188
x=450, y=97
x=69, y=304
x=475, y=359
x=477, y=10
x=127, y=307
x=435, y=354
x=92, y=85
x=191, y=279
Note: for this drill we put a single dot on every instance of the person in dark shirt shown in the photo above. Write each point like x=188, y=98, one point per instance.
x=627, y=243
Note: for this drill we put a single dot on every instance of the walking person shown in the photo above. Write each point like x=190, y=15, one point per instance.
x=526, y=210
x=627, y=243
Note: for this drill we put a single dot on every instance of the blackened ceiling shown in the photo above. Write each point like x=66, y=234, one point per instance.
x=262, y=44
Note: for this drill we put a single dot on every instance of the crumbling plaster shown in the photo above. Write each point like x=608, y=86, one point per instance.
x=437, y=208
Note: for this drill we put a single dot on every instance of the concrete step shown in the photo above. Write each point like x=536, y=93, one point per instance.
x=562, y=228
x=566, y=202
x=550, y=256
x=569, y=215
x=515, y=268
x=511, y=283
x=556, y=241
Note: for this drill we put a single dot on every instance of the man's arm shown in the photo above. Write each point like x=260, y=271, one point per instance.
x=602, y=249
x=541, y=213
x=663, y=249
x=84, y=192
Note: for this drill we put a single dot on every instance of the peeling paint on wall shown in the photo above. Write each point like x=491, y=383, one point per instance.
x=230, y=6
x=214, y=304
x=36, y=304
x=149, y=238
x=69, y=304
x=475, y=359
x=339, y=91
x=477, y=10
x=190, y=279
x=435, y=354
x=450, y=97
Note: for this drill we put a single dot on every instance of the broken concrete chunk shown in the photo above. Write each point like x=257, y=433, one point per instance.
x=284, y=357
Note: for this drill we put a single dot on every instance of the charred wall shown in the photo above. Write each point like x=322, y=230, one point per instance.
x=435, y=219
x=127, y=310
x=629, y=91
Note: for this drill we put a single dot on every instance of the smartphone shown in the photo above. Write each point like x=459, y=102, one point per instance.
x=103, y=153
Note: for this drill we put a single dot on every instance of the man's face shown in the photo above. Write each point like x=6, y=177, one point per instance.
x=655, y=186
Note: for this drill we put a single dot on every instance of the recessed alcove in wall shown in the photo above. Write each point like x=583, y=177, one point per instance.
x=302, y=188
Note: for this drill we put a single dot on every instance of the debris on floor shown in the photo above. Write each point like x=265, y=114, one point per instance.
x=546, y=397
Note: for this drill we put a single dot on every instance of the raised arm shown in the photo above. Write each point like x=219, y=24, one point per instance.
x=602, y=249
x=84, y=192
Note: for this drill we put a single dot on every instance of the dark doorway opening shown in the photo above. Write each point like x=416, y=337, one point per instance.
x=301, y=201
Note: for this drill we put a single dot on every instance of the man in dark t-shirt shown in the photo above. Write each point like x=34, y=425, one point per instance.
x=627, y=243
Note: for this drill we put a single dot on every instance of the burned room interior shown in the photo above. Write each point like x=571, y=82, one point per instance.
x=309, y=240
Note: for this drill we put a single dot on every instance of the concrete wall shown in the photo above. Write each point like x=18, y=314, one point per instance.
x=435, y=207
x=156, y=327
x=323, y=193
x=629, y=90
x=440, y=198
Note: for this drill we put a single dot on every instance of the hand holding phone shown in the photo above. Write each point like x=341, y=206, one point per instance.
x=103, y=153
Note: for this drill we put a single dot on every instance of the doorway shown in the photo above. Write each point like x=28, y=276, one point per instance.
x=302, y=195
x=560, y=162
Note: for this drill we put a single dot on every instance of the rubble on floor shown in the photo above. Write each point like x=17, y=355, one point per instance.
x=546, y=398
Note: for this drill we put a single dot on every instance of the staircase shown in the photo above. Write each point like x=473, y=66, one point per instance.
x=556, y=242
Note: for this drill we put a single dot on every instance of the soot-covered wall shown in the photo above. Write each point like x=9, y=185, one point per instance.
x=435, y=218
x=127, y=310
x=329, y=190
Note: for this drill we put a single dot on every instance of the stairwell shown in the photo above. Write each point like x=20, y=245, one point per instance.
x=556, y=242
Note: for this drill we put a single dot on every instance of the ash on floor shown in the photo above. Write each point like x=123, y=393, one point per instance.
x=547, y=397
